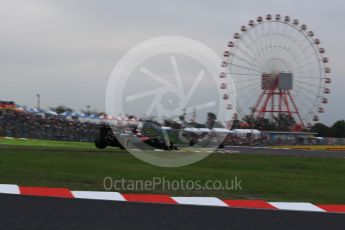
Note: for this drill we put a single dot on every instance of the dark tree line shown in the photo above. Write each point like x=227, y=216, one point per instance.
x=282, y=122
x=336, y=130
x=64, y=109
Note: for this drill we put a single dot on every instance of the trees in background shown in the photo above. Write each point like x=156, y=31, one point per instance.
x=61, y=109
x=282, y=122
x=260, y=123
x=321, y=129
x=336, y=130
x=92, y=112
x=64, y=109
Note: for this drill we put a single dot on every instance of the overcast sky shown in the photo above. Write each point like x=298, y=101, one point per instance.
x=66, y=49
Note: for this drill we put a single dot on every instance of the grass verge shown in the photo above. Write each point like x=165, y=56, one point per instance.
x=44, y=143
x=313, y=147
x=273, y=178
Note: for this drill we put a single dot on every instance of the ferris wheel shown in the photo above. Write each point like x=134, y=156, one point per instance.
x=277, y=66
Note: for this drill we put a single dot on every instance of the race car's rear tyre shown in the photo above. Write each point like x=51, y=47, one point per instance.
x=100, y=143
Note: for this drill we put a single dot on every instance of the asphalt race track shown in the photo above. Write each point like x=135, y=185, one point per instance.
x=24, y=212
x=286, y=152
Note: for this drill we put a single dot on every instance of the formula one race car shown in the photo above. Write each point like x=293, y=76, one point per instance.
x=152, y=136
x=107, y=138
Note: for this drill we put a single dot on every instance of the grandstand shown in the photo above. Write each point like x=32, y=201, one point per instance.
x=7, y=105
x=24, y=122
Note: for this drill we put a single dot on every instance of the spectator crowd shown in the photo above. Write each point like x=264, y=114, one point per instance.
x=19, y=124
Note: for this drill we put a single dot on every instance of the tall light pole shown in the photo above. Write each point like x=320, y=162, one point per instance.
x=194, y=115
x=38, y=101
x=252, y=124
x=88, y=109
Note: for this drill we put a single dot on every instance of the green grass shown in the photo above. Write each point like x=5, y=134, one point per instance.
x=313, y=147
x=45, y=143
x=80, y=167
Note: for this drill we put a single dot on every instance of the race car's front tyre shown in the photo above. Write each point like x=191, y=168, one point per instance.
x=100, y=143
